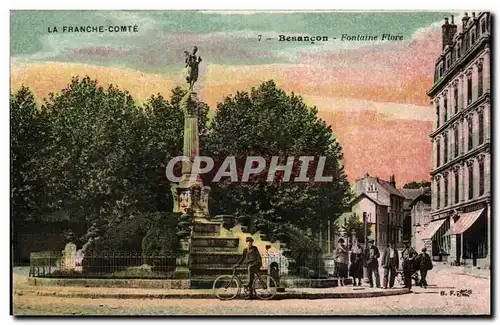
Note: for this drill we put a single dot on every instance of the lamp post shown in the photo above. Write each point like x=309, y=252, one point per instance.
x=365, y=235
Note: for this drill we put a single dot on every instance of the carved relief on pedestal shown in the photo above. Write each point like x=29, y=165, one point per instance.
x=184, y=200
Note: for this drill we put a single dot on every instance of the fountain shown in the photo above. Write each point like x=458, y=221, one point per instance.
x=210, y=246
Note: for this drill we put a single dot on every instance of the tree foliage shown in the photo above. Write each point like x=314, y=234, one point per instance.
x=417, y=185
x=91, y=154
x=27, y=136
x=354, y=225
x=268, y=122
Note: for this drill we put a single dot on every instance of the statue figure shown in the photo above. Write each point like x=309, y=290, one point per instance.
x=192, y=63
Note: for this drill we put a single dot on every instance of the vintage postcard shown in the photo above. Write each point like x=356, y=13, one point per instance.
x=265, y=163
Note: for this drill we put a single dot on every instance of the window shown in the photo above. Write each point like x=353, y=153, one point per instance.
x=455, y=99
x=457, y=186
x=469, y=89
x=446, y=190
x=445, y=109
x=438, y=153
x=483, y=26
x=473, y=36
x=437, y=114
x=479, y=80
x=481, y=126
x=458, y=51
x=445, y=147
x=455, y=136
x=438, y=190
x=471, y=182
x=469, y=127
x=481, y=177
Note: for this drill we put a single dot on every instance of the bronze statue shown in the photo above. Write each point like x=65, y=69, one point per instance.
x=192, y=63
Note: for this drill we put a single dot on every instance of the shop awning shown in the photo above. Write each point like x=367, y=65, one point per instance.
x=431, y=228
x=464, y=222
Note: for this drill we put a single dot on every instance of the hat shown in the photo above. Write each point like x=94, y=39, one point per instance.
x=249, y=239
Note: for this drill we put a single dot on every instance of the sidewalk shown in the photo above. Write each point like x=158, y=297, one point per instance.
x=22, y=287
x=133, y=293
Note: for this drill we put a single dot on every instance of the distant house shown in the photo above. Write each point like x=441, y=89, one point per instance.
x=410, y=195
x=376, y=216
x=418, y=216
x=383, y=203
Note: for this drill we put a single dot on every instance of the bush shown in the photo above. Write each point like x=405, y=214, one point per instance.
x=160, y=245
x=306, y=253
x=146, y=238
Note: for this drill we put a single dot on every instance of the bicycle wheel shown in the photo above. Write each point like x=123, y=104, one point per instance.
x=265, y=287
x=226, y=287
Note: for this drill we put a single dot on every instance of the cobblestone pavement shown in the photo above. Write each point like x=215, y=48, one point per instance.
x=422, y=302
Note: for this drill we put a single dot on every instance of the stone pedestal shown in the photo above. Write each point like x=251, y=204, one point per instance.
x=184, y=231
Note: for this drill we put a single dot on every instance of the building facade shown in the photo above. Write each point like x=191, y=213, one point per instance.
x=461, y=142
x=383, y=203
x=411, y=194
x=420, y=216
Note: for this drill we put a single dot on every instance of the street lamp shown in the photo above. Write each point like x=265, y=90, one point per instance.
x=365, y=235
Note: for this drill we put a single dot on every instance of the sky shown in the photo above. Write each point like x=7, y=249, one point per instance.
x=372, y=93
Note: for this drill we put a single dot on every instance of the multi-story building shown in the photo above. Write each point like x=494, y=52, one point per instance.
x=413, y=212
x=383, y=204
x=461, y=141
x=410, y=195
x=420, y=216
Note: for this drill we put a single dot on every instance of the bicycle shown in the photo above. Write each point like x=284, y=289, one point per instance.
x=228, y=287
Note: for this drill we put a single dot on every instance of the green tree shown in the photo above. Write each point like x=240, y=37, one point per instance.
x=102, y=156
x=25, y=134
x=417, y=185
x=268, y=122
x=27, y=139
x=354, y=225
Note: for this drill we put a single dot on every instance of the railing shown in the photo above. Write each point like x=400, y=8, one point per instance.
x=102, y=265
x=59, y=264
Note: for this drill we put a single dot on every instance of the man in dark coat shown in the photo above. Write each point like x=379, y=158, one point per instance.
x=372, y=256
x=253, y=259
x=390, y=263
x=425, y=264
x=409, y=255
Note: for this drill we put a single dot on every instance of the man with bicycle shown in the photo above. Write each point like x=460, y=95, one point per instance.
x=252, y=258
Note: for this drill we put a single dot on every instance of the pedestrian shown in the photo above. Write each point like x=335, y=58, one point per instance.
x=356, y=267
x=251, y=256
x=372, y=256
x=425, y=264
x=390, y=263
x=341, y=262
x=409, y=255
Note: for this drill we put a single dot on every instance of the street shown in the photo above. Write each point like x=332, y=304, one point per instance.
x=428, y=301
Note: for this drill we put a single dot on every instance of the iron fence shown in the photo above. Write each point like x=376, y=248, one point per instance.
x=102, y=265
x=162, y=266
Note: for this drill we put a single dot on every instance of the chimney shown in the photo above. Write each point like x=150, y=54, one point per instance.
x=473, y=15
x=454, y=28
x=448, y=32
x=392, y=181
x=465, y=18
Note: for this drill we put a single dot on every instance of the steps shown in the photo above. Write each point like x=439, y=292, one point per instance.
x=210, y=229
x=219, y=258
x=213, y=243
x=212, y=255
